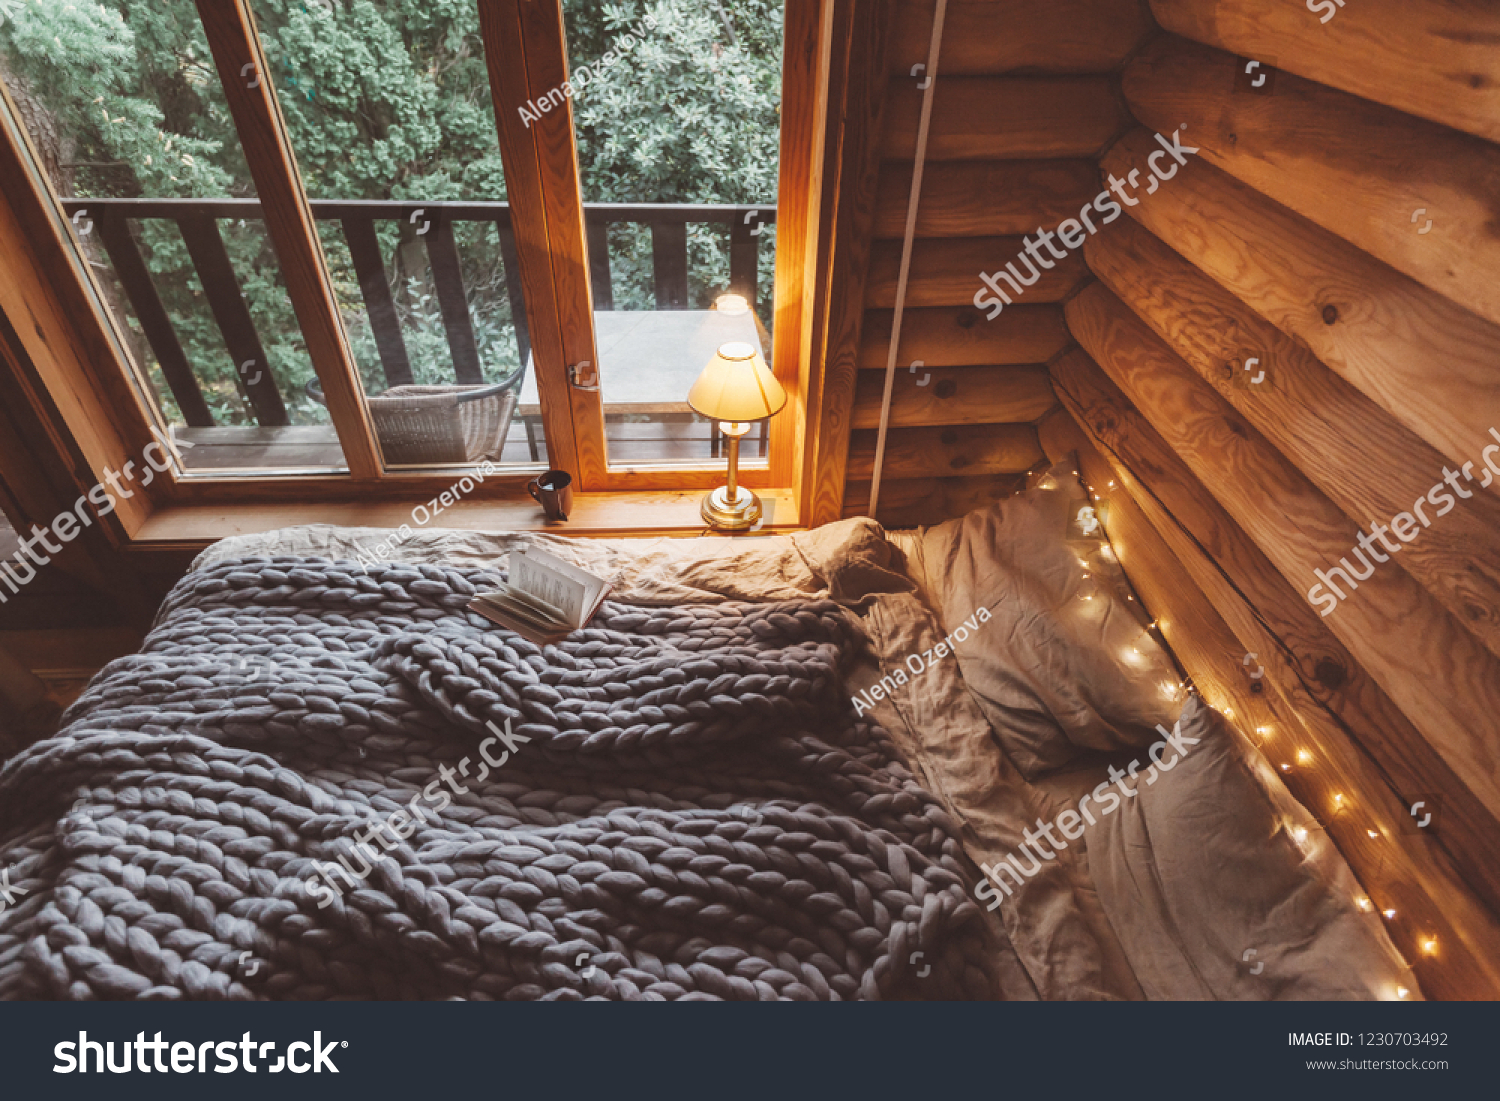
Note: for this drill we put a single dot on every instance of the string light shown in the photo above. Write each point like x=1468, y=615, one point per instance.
x=1299, y=834
x=1403, y=993
x=1304, y=757
x=1229, y=712
x=1389, y=914
x=1373, y=835
x=1263, y=731
x=1364, y=904
x=1430, y=946
x=1286, y=768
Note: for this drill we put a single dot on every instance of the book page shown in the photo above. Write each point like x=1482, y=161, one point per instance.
x=592, y=586
x=534, y=572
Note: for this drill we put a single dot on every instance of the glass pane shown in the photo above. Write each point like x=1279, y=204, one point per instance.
x=676, y=108
x=124, y=108
x=389, y=112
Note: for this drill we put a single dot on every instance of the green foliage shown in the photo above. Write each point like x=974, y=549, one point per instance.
x=390, y=99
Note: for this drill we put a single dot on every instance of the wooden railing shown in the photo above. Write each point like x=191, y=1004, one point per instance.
x=198, y=219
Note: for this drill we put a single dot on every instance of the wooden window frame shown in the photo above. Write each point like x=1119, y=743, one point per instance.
x=99, y=391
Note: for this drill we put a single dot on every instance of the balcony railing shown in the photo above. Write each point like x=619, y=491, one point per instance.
x=198, y=222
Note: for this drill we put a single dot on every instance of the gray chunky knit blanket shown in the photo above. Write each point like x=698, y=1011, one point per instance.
x=688, y=808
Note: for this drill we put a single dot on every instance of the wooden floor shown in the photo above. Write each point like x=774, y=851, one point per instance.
x=316, y=447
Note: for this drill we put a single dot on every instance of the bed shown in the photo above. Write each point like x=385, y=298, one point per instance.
x=813, y=767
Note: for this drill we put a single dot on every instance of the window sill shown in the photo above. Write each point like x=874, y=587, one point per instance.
x=182, y=528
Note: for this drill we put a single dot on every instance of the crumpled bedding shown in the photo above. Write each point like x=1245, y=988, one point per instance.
x=685, y=806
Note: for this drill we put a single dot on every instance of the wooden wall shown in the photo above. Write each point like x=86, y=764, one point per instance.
x=1028, y=98
x=1337, y=227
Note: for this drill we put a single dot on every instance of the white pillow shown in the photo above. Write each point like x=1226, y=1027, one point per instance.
x=1221, y=886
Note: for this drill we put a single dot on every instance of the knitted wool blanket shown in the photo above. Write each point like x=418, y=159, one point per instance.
x=685, y=807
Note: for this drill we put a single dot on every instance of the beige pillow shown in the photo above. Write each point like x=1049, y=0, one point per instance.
x=1064, y=663
x=1221, y=886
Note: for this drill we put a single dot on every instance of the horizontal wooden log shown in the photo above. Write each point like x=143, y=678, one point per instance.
x=1432, y=58
x=1006, y=36
x=984, y=198
x=959, y=450
x=1418, y=355
x=1005, y=118
x=1417, y=195
x=1445, y=681
x=946, y=272
x=960, y=395
x=1369, y=465
x=915, y=502
x=1212, y=624
x=962, y=337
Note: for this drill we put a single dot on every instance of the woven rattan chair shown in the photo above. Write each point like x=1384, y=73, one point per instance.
x=440, y=424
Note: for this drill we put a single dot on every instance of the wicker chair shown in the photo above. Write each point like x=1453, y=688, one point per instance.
x=440, y=424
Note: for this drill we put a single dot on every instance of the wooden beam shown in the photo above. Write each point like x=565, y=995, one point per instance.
x=81, y=365
x=1206, y=620
x=1369, y=465
x=946, y=272
x=250, y=91
x=948, y=451
x=1432, y=58
x=1445, y=681
x=1356, y=168
x=804, y=64
x=1001, y=36
x=855, y=107
x=1006, y=118
x=1427, y=361
x=961, y=395
x=961, y=337
x=917, y=502
x=523, y=49
x=984, y=198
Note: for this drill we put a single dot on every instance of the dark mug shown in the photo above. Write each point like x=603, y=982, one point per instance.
x=553, y=490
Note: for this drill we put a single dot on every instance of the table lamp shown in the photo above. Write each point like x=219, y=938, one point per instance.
x=736, y=389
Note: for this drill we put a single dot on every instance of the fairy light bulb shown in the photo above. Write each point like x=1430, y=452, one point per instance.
x=1364, y=904
x=1402, y=993
x=1286, y=768
x=1263, y=731
x=1299, y=834
x=1372, y=834
x=1429, y=946
x=1304, y=757
x=1389, y=915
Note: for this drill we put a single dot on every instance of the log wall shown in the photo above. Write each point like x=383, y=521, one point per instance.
x=1292, y=340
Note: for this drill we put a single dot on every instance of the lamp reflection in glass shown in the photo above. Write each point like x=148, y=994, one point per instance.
x=736, y=389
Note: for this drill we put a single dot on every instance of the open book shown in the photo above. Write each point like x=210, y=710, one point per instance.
x=546, y=599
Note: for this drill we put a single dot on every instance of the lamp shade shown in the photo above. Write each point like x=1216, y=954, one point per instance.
x=737, y=386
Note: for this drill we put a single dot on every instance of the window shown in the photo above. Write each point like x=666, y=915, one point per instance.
x=362, y=242
x=675, y=112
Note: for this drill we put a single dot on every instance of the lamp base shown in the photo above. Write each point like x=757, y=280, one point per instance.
x=722, y=514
